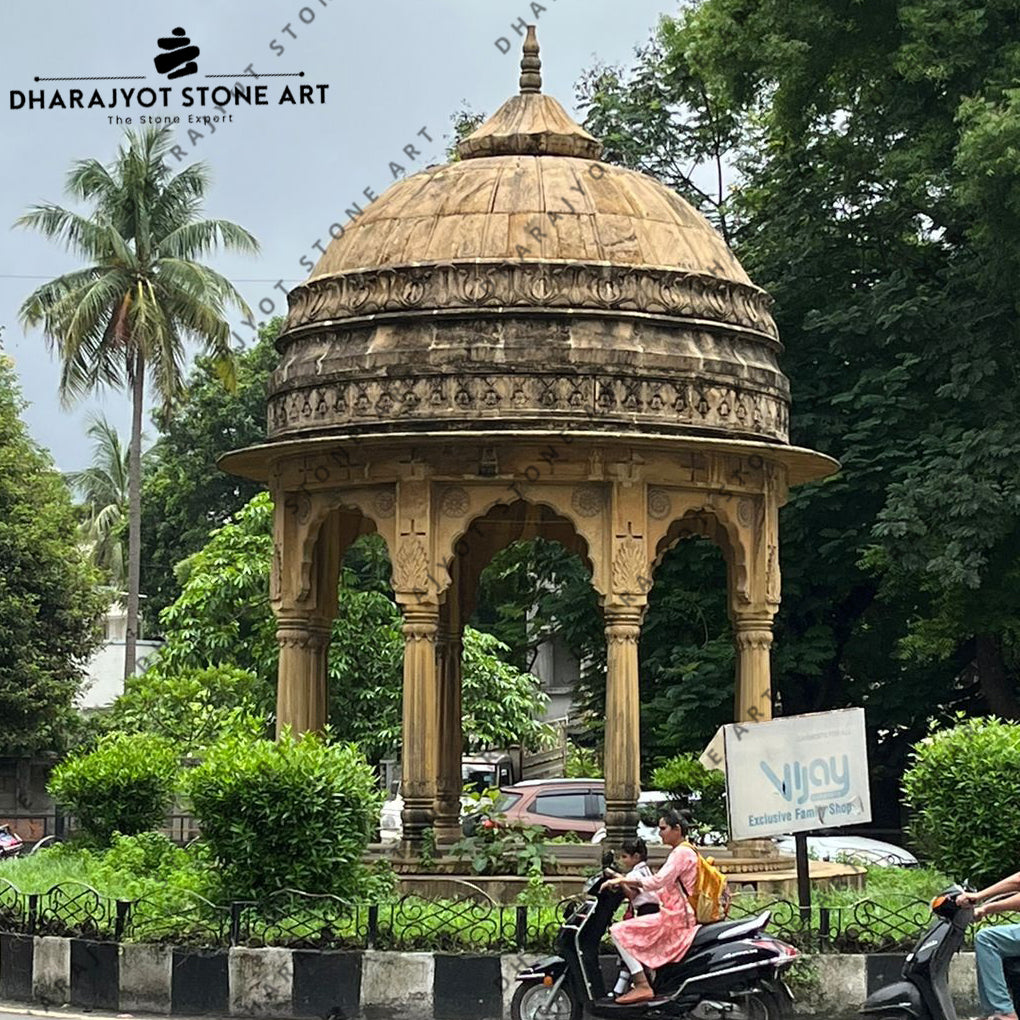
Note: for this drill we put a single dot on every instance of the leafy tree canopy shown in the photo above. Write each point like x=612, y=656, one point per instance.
x=124, y=316
x=184, y=494
x=50, y=601
x=872, y=193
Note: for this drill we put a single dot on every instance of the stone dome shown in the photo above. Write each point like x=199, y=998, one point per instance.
x=525, y=287
x=531, y=208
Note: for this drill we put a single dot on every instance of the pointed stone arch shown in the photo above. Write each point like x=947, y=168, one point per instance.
x=312, y=529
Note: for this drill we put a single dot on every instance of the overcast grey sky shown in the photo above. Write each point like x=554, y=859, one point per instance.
x=393, y=67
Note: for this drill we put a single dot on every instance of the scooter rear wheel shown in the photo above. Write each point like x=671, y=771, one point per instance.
x=767, y=1005
x=533, y=997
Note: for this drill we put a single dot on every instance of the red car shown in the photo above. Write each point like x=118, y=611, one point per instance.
x=562, y=806
x=10, y=842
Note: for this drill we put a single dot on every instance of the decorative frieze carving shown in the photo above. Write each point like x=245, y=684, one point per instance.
x=515, y=284
x=596, y=400
x=385, y=503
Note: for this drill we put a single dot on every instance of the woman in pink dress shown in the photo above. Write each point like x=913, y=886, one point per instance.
x=657, y=939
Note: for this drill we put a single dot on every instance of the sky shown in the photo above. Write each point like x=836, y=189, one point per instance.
x=396, y=71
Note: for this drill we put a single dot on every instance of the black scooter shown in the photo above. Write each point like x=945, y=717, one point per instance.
x=922, y=993
x=730, y=972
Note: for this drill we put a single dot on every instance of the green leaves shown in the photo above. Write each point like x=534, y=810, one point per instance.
x=958, y=790
x=699, y=790
x=221, y=633
x=50, y=601
x=295, y=814
x=125, y=785
x=185, y=495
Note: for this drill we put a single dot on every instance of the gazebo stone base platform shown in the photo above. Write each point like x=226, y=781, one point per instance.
x=450, y=877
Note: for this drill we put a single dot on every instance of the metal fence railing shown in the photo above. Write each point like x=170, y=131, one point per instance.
x=474, y=923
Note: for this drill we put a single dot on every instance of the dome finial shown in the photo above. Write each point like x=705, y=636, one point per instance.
x=531, y=65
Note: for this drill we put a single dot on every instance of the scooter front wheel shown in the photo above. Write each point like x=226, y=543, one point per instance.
x=535, y=1001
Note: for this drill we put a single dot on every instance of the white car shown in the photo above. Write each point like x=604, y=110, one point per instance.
x=646, y=801
x=391, y=825
x=391, y=828
x=852, y=850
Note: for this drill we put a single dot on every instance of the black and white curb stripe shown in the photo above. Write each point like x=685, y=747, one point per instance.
x=374, y=984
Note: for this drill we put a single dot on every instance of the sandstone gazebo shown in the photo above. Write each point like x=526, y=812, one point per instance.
x=523, y=342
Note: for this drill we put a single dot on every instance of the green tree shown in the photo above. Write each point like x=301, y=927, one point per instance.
x=184, y=494
x=141, y=294
x=50, y=601
x=191, y=708
x=876, y=210
x=103, y=488
x=223, y=618
x=873, y=196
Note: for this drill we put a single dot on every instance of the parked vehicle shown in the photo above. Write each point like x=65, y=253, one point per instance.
x=10, y=842
x=922, y=993
x=853, y=849
x=649, y=803
x=732, y=971
x=481, y=771
x=561, y=806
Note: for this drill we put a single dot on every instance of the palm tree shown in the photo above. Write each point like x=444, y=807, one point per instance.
x=104, y=488
x=126, y=315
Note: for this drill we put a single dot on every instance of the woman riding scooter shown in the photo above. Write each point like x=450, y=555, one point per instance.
x=657, y=939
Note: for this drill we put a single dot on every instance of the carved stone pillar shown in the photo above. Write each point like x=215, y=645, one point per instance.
x=752, y=634
x=421, y=720
x=623, y=723
x=301, y=691
x=448, y=782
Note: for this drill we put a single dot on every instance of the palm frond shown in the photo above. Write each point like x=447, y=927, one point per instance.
x=200, y=282
x=88, y=180
x=181, y=199
x=84, y=236
x=192, y=240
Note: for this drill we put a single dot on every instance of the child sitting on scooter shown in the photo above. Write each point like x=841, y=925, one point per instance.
x=634, y=858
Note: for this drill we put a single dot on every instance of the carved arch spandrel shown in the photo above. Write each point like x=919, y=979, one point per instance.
x=730, y=522
x=297, y=532
x=584, y=506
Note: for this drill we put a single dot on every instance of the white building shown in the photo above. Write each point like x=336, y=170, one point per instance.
x=105, y=680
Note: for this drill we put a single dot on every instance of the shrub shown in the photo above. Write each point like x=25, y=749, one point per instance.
x=499, y=847
x=958, y=789
x=295, y=814
x=125, y=785
x=582, y=762
x=697, y=789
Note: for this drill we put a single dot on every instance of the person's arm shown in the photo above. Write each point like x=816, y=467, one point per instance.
x=1003, y=906
x=1007, y=885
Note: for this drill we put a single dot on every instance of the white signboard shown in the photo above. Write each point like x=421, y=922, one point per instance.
x=794, y=774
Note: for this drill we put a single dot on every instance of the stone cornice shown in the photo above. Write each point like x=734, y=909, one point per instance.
x=425, y=289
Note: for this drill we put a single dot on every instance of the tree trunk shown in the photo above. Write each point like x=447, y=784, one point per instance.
x=996, y=685
x=134, y=514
